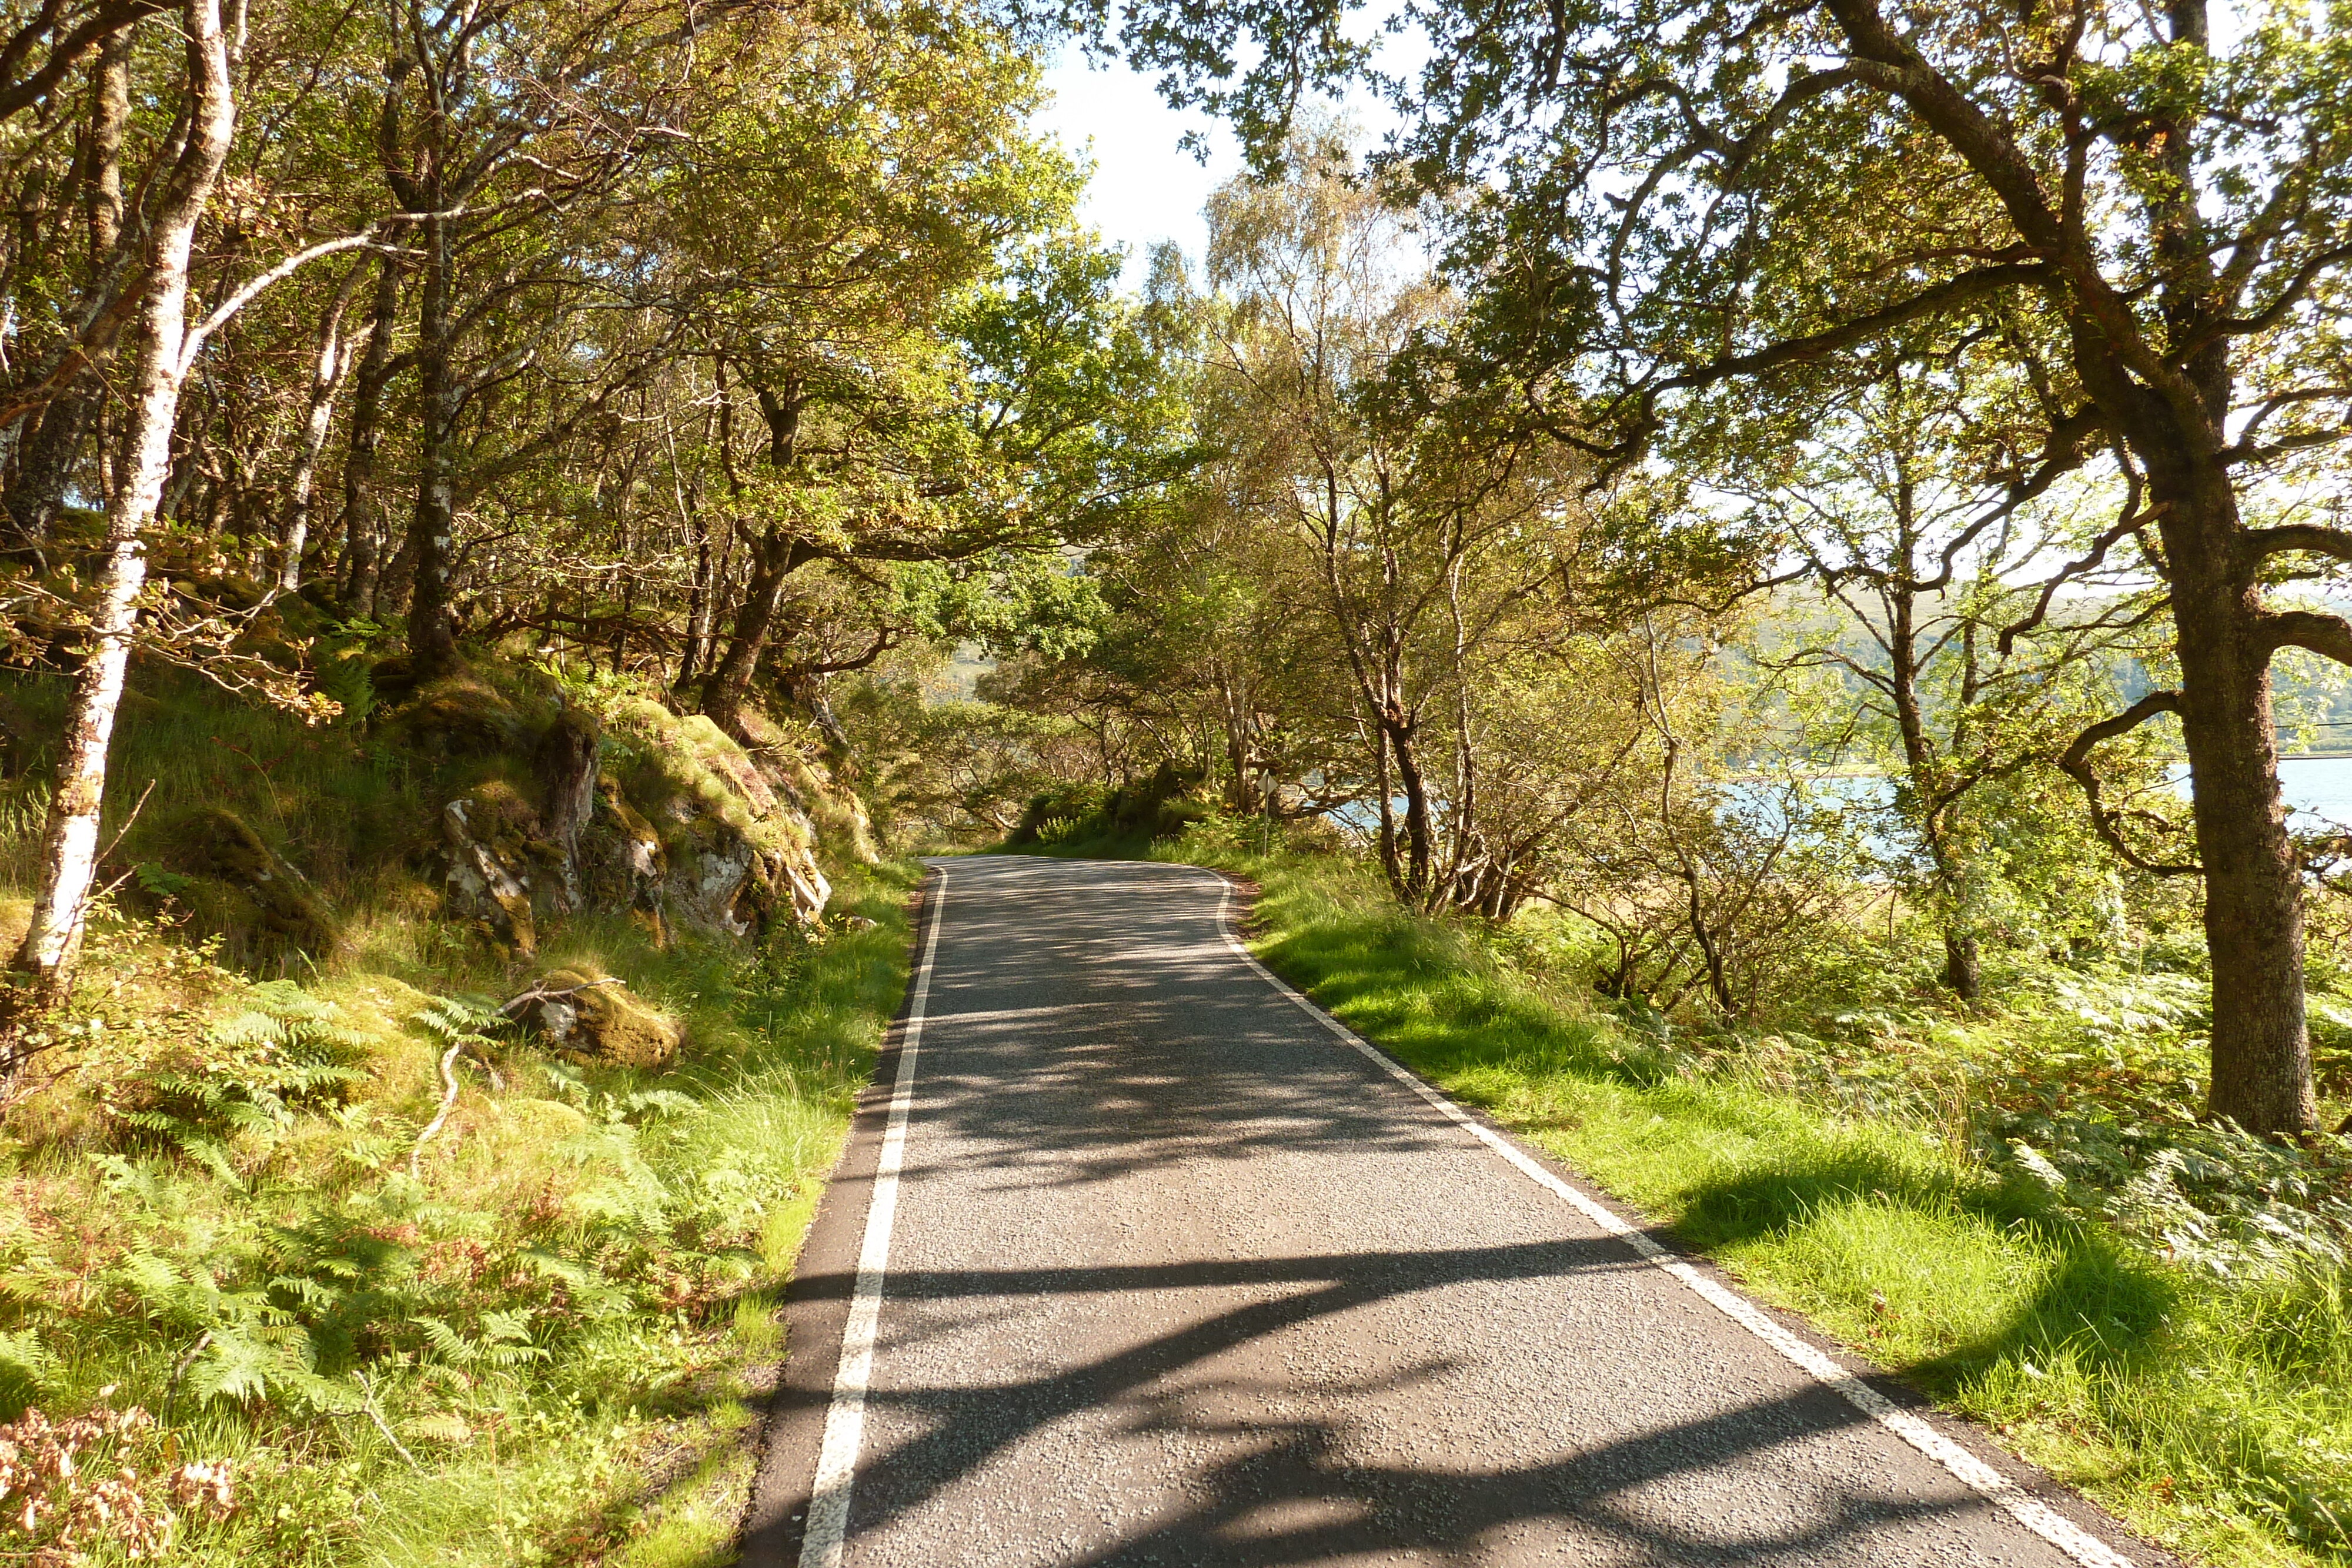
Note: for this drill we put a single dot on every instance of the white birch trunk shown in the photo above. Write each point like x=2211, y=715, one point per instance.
x=70, y=850
x=326, y=381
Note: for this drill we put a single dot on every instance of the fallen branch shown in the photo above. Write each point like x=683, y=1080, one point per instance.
x=448, y=1101
x=540, y=994
x=367, y=1403
x=171, y=1389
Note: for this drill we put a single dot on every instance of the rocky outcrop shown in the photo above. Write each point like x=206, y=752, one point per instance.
x=233, y=884
x=566, y=765
x=491, y=849
x=717, y=881
x=739, y=850
x=675, y=822
x=714, y=749
x=810, y=890
x=835, y=813
x=622, y=862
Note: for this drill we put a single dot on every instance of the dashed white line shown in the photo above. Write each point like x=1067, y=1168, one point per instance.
x=827, y=1535
x=1963, y=1466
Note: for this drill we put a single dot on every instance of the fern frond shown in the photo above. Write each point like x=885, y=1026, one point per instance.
x=452, y=1346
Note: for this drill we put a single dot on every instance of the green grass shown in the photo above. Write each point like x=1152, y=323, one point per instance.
x=2213, y=1413
x=671, y=1222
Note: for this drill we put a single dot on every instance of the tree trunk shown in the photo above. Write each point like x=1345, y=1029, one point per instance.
x=1403, y=743
x=53, y=448
x=326, y=380
x=1924, y=771
x=1236, y=710
x=2253, y=883
x=697, y=610
x=432, y=623
x=69, y=851
x=362, y=513
x=1382, y=788
x=773, y=559
x=728, y=682
x=1963, y=964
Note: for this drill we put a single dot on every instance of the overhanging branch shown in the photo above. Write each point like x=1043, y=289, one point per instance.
x=2330, y=636
x=1951, y=293
x=2075, y=762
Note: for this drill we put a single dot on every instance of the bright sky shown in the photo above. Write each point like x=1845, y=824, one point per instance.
x=1146, y=188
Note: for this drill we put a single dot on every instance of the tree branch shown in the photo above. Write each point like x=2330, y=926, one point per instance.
x=2075, y=763
x=220, y=314
x=67, y=51
x=2330, y=636
x=2315, y=538
x=1965, y=288
x=2132, y=522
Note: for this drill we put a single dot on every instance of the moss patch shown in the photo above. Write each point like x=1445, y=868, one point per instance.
x=234, y=886
x=592, y=1014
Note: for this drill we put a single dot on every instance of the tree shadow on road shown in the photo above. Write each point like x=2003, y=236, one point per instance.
x=1294, y=1489
x=1068, y=1047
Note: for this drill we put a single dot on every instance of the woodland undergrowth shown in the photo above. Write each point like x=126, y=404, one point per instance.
x=2015, y=1204
x=289, y=1318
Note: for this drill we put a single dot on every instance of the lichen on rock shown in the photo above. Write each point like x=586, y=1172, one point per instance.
x=717, y=880
x=739, y=844
x=623, y=861
x=490, y=838
x=565, y=762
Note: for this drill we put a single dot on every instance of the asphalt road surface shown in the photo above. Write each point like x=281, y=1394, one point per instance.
x=1143, y=1262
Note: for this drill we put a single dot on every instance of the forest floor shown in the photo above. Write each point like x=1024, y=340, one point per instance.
x=2004, y=1213
x=566, y=1316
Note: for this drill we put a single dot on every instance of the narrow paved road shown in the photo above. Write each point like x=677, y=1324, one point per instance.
x=1175, y=1276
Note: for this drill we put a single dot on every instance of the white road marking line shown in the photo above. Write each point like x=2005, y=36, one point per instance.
x=1964, y=1466
x=827, y=1536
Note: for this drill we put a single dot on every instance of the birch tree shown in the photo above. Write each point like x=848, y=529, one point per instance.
x=163, y=343
x=161, y=348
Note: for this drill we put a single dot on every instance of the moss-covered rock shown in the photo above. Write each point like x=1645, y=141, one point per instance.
x=594, y=1015
x=739, y=847
x=717, y=880
x=622, y=861
x=458, y=715
x=834, y=811
x=493, y=854
x=718, y=752
x=236, y=886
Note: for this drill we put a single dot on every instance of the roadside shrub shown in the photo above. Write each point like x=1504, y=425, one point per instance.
x=1053, y=814
x=1159, y=807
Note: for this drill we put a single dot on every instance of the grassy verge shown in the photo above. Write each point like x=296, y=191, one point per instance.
x=543, y=1346
x=2214, y=1413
